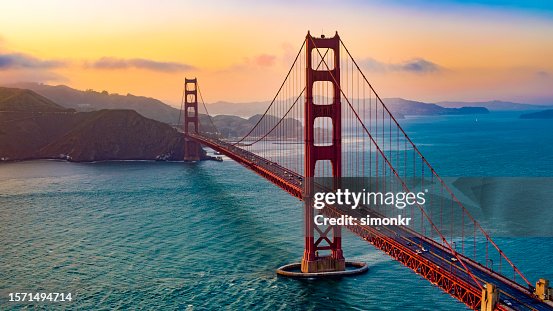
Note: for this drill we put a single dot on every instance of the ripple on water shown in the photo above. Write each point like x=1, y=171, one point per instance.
x=171, y=236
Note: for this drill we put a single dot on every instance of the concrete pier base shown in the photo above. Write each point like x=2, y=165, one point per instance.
x=293, y=270
x=323, y=264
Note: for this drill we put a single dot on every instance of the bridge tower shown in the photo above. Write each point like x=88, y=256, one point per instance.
x=192, y=149
x=312, y=261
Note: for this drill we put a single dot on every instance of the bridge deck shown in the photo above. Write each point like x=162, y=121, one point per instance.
x=401, y=243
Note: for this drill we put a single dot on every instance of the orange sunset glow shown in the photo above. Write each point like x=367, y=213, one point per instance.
x=241, y=50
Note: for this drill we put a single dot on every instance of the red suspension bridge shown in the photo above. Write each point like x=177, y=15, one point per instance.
x=326, y=122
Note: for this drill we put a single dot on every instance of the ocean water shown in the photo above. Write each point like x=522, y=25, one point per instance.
x=153, y=235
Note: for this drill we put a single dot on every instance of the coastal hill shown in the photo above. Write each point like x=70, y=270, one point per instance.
x=416, y=108
x=544, y=114
x=13, y=99
x=90, y=100
x=29, y=132
x=234, y=126
x=117, y=135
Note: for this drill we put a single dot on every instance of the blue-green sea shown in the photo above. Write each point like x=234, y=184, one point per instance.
x=209, y=235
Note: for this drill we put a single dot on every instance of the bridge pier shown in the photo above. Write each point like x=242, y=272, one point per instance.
x=312, y=261
x=192, y=150
x=543, y=291
x=323, y=264
x=490, y=298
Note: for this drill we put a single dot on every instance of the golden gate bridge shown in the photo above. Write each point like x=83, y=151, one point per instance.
x=326, y=122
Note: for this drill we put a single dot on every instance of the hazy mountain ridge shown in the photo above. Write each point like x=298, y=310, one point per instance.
x=152, y=108
x=34, y=126
x=398, y=106
x=494, y=105
x=155, y=109
x=90, y=100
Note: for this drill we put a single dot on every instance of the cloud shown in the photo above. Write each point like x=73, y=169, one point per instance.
x=415, y=65
x=251, y=63
x=265, y=60
x=16, y=67
x=24, y=61
x=139, y=63
x=289, y=53
x=38, y=76
x=419, y=65
x=372, y=64
x=542, y=74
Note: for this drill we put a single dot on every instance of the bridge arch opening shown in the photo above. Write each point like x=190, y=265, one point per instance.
x=323, y=135
x=322, y=59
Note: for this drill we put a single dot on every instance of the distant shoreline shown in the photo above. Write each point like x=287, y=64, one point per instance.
x=541, y=115
x=101, y=161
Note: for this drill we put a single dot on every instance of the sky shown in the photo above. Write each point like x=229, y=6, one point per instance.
x=240, y=51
